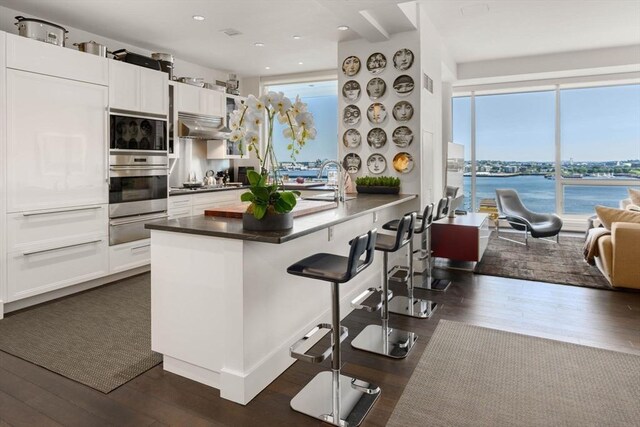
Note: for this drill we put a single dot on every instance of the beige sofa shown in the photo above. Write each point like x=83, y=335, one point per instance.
x=619, y=255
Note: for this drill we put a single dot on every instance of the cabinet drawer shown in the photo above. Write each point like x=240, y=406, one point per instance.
x=179, y=202
x=179, y=213
x=44, y=58
x=38, y=270
x=40, y=227
x=216, y=197
x=129, y=255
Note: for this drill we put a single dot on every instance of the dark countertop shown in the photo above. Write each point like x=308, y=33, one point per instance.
x=232, y=228
x=182, y=192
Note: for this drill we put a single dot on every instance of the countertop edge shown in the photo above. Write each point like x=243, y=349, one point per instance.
x=275, y=239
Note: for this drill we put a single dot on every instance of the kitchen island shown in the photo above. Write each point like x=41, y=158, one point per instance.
x=224, y=311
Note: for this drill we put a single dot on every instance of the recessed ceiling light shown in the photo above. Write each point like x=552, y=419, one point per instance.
x=343, y=28
x=267, y=68
x=198, y=17
x=297, y=37
x=258, y=44
x=299, y=63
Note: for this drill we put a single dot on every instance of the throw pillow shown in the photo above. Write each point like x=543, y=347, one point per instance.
x=634, y=195
x=633, y=208
x=610, y=215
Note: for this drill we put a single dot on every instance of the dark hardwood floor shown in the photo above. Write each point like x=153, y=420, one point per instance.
x=33, y=396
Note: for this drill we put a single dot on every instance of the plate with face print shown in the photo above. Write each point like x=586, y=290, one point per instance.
x=351, y=138
x=403, y=162
x=403, y=59
x=377, y=138
x=351, y=91
x=402, y=136
x=351, y=115
x=352, y=163
x=376, y=88
x=376, y=163
x=403, y=85
x=351, y=66
x=376, y=63
x=403, y=111
x=376, y=113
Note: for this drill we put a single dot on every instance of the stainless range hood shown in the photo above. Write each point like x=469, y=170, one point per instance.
x=195, y=126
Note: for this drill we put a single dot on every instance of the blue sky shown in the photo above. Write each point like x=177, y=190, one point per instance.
x=596, y=124
x=322, y=102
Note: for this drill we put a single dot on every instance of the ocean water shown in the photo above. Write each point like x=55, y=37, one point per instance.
x=538, y=193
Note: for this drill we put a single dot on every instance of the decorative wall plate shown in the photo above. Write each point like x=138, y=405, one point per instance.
x=403, y=59
x=376, y=88
x=351, y=91
x=351, y=115
x=403, y=85
x=402, y=136
x=403, y=162
x=376, y=163
x=376, y=113
x=376, y=63
x=351, y=66
x=352, y=163
x=403, y=111
x=377, y=138
x=351, y=138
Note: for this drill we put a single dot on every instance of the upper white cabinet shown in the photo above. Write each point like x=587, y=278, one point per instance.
x=44, y=58
x=56, y=142
x=137, y=89
x=195, y=100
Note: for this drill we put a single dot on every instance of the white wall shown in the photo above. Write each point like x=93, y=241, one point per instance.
x=181, y=68
x=410, y=182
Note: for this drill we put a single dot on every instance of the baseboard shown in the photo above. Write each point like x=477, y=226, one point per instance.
x=193, y=372
x=59, y=293
x=243, y=387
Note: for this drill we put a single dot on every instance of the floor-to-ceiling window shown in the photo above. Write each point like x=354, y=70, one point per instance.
x=563, y=150
x=321, y=98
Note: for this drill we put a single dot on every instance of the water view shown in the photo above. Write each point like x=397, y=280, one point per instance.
x=538, y=193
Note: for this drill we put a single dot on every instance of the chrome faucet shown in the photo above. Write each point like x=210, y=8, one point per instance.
x=341, y=171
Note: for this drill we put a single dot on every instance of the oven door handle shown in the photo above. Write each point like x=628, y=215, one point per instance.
x=116, y=222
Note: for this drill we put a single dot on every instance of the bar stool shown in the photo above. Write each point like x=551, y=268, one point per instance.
x=409, y=305
x=331, y=397
x=383, y=339
x=428, y=282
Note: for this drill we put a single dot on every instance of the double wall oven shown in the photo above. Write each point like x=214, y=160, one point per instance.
x=138, y=177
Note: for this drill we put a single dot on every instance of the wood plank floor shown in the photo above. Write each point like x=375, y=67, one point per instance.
x=33, y=396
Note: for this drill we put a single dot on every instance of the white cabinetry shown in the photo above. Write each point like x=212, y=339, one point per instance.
x=129, y=255
x=137, y=89
x=51, y=249
x=3, y=162
x=196, y=204
x=56, y=142
x=195, y=100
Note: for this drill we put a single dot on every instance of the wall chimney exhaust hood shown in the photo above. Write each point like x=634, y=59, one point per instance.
x=194, y=126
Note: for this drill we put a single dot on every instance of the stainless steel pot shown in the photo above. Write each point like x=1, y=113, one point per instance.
x=41, y=30
x=92, y=48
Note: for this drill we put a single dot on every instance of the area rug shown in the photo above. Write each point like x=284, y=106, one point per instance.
x=474, y=376
x=541, y=261
x=100, y=338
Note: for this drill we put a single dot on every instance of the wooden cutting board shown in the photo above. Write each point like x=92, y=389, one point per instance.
x=303, y=207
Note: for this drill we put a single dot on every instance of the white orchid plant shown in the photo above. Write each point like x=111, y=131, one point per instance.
x=245, y=124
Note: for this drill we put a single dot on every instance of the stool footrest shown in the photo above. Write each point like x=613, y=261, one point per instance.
x=399, y=274
x=315, y=358
x=358, y=302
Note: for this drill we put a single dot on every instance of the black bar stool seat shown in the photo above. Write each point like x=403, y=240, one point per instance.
x=331, y=397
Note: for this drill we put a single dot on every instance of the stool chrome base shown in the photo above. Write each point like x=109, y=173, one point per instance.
x=387, y=341
x=356, y=399
x=412, y=307
x=428, y=283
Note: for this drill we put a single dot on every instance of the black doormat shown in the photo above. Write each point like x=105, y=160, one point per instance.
x=542, y=261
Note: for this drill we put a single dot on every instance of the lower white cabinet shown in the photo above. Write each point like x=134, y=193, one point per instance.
x=129, y=255
x=196, y=204
x=39, y=269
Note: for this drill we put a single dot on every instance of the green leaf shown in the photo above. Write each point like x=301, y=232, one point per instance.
x=259, y=211
x=289, y=198
x=247, y=197
x=254, y=177
x=261, y=193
